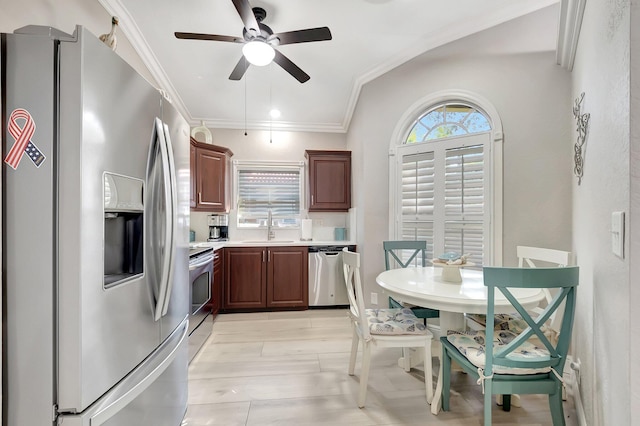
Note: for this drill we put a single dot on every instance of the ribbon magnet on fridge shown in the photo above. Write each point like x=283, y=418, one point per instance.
x=23, y=143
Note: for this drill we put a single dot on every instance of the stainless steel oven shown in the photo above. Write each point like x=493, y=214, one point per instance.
x=200, y=276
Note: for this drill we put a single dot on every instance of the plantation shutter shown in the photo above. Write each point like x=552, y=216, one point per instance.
x=443, y=195
x=464, y=201
x=418, y=197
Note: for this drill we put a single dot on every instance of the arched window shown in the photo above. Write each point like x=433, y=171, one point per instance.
x=450, y=119
x=444, y=180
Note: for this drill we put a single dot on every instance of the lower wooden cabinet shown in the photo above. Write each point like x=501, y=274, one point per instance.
x=265, y=278
x=245, y=275
x=287, y=279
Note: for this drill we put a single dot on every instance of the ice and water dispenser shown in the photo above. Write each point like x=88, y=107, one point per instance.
x=123, y=228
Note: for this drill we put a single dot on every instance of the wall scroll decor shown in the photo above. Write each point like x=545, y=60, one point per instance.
x=582, y=121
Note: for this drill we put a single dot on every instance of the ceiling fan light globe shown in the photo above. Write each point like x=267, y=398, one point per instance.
x=258, y=53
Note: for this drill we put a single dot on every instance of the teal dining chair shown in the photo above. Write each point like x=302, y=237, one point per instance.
x=406, y=253
x=528, y=257
x=524, y=362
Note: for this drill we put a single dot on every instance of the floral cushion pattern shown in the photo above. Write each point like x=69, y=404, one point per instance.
x=472, y=345
x=394, y=322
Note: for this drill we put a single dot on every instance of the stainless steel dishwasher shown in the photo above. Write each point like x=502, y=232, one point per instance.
x=326, y=280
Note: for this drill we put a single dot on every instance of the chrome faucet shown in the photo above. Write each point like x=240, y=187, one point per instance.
x=270, y=234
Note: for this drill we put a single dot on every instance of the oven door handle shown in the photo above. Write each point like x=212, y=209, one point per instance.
x=204, y=261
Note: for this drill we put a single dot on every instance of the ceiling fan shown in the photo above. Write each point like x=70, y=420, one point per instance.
x=259, y=37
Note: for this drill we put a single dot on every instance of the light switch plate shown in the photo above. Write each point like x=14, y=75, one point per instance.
x=617, y=234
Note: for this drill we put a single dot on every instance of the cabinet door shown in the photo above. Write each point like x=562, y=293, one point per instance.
x=245, y=273
x=329, y=180
x=193, y=174
x=211, y=168
x=287, y=282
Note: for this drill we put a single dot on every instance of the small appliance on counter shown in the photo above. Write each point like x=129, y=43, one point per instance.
x=218, y=227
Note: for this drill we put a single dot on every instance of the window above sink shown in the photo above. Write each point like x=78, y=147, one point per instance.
x=267, y=189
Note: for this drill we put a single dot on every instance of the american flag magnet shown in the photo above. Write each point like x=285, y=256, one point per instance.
x=22, y=136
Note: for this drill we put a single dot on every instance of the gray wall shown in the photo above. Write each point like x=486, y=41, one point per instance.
x=634, y=217
x=532, y=95
x=605, y=304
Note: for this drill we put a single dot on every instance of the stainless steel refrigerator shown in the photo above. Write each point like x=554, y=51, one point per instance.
x=95, y=237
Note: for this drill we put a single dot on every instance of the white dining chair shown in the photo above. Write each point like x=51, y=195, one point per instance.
x=395, y=328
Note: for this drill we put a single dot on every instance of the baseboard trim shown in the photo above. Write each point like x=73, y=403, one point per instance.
x=574, y=388
x=577, y=400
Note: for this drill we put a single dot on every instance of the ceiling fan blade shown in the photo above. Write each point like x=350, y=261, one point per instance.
x=240, y=69
x=214, y=37
x=248, y=18
x=304, y=36
x=290, y=67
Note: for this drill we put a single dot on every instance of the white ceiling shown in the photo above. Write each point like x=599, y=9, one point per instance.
x=370, y=37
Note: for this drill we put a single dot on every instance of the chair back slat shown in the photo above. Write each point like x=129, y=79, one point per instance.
x=398, y=250
x=531, y=255
x=351, y=270
x=534, y=257
x=565, y=280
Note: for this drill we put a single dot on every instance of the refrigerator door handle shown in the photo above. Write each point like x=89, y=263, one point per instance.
x=117, y=402
x=164, y=290
x=173, y=208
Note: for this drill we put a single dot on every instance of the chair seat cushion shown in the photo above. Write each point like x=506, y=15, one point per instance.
x=394, y=322
x=471, y=344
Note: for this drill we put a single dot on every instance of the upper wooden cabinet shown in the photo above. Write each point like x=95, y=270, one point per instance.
x=329, y=180
x=210, y=177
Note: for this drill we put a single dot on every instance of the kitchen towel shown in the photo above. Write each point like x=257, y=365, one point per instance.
x=306, y=231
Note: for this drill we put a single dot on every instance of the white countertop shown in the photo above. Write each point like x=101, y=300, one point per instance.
x=260, y=243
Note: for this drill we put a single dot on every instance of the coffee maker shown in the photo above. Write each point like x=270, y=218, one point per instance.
x=218, y=227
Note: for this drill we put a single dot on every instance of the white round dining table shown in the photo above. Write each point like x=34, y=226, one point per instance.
x=424, y=286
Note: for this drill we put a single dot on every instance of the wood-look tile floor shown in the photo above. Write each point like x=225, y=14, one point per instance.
x=290, y=368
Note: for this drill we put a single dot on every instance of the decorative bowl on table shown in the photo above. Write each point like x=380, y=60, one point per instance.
x=449, y=256
x=451, y=263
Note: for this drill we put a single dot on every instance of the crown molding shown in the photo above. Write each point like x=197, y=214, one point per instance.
x=128, y=26
x=571, y=13
x=279, y=126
